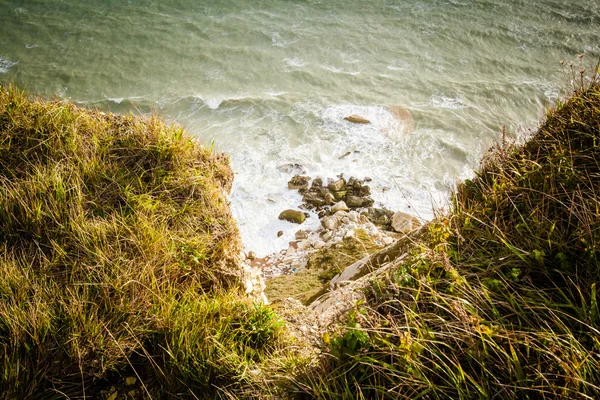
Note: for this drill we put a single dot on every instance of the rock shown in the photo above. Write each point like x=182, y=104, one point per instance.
x=330, y=222
x=349, y=234
x=317, y=183
x=251, y=255
x=301, y=235
x=319, y=244
x=337, y=186
x=364, y=190
x=313, y=199
x=340, y=195
x=404, y=223
x=327, y=236
x=354, y=183
x=130, y=380
x=291, y=168
x=353, y=216
x=340, y=206
x=329, y=198
x=379, y=216
x=294, y=216
x=357, y=201
x=403, y=116
x=298, y=182
x=280, y=234
x=388, y=240
x=357, y=119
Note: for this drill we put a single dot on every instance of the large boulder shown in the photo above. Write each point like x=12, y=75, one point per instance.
x=404, y=223
x=357, y=119
x=294, y=216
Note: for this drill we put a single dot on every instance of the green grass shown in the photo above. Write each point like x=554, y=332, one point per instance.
x=500, y=298
x=119, y=257
x=322, y=266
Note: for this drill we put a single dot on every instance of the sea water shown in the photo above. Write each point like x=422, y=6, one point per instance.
x=269, y=82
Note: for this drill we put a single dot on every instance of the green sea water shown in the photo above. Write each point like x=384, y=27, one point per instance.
x=269, y=82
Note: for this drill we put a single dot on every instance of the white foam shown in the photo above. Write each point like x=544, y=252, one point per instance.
x=117, y=100
x=6, y=64
x=337, y=70
x=294, y=62
x=440, y=101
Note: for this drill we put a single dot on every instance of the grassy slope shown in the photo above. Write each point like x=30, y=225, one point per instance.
x=499, y=300
x=118, y=257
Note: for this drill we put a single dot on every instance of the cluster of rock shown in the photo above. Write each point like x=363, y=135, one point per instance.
x=341, y=195
x=344, y=207
x=334, y=228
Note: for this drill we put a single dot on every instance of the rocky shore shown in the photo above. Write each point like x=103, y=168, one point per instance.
x=347, y=215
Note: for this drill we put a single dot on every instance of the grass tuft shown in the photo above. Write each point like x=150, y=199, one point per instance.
x=118, y=259
x=499, y=298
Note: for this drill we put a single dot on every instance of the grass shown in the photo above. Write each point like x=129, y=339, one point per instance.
x=321, y=267
x=500, y=298
x=119, y=258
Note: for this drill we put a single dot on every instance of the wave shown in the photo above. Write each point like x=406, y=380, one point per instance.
x=221, y=101
x=6, y=64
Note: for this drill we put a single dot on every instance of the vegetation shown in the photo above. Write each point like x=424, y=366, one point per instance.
x=500, y=298
x=321, y=267
x=118, y=259
x=119, y=267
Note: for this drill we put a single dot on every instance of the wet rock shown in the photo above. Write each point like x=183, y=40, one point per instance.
x=317, y=183
x=364, y=190
x=379, y=216
x=340, y=195
x=354, y=183
x=357, y=201
x=404, y=223
x=340, y=206
x=313, y=199
x=329, y=198
x=337, y=186
x=280, y=234
x=301, y=235
x=357, y=119
x=291, y=168
x=298, y=182
x=251, y=255
x=294, y=216
x=403, y=116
